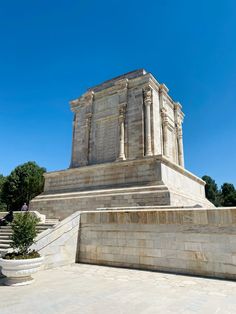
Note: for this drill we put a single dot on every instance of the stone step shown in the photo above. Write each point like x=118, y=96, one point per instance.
x=52, y=220
x=149, y=188
x=40, y=227
x=4, y=241
x=5, y=227
x=9, y=231
x=4, y=246
x=3, y=251
x=5, y=233
x=45, y=225
x=4, y=237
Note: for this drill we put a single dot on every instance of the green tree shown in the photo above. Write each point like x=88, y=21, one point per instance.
x=24, y=183
x=228, y=195
x=3, y=205
x=212, y=192
x=23, y=232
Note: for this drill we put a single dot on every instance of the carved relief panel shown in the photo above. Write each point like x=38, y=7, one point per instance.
x=104, y=137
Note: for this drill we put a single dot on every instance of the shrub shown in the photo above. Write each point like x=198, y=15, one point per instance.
x=24, y=233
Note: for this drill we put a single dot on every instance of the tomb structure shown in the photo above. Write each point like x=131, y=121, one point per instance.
x=127, y=151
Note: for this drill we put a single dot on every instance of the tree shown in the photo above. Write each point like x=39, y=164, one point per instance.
x=23, y=232
x=24, y=183
x=228, y=195
x=3, y=205
x=212, y=192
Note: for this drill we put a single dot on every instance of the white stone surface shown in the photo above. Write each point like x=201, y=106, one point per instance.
x=89, y=289
x=59, y=244
x=149, y=181
x=188, y=241
x=127, y=133
x=97, y=115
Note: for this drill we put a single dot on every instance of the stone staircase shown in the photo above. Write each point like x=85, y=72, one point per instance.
x=6, y=232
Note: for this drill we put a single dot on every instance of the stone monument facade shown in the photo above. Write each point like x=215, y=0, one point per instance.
x=127, y=151
x=127, y=118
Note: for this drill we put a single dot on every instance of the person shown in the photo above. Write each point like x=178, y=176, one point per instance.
x=6, y=219
x=24, y=208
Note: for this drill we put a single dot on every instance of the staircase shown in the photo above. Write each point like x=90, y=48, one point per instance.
x=6, y=232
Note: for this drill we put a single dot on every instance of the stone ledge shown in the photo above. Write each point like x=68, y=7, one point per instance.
x=194, y=216
x=117, y=164
x=104, y=192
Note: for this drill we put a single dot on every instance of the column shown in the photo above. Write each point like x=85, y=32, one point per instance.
x=121, y=121
x=180, y=145
x=179, y=116
x=73, y=140
x=148, y=138
x=163, y=91
x=88, y=130
x=164, y=129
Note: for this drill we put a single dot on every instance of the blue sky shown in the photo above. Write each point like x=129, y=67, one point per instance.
x=52, y=51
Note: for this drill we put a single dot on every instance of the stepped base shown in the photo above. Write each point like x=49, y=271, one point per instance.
x=152, y=181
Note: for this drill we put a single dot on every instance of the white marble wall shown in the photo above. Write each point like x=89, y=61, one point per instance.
x=151, y=120
x=197, y=241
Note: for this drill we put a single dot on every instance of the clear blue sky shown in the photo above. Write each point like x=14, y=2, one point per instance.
x=52, y=51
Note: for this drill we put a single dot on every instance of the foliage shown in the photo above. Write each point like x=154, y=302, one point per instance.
x=212, y=192
x=24, y=183
x=3, y=205
x=15, y=255
x=228, y=195
x=225, y=196
x=24, y=232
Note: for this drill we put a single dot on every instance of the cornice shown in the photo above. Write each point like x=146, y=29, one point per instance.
x=127, y=82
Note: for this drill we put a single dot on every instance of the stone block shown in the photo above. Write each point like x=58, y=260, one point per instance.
x=188, y=248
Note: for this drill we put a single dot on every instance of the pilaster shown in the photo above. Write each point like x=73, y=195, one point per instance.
x=121, y=121
x=147, y=104
x=164, y=131
x=179, y=116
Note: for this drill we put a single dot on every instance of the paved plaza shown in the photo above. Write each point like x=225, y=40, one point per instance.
x=89, y=289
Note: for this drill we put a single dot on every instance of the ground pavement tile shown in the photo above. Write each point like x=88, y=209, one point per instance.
x=88, y=289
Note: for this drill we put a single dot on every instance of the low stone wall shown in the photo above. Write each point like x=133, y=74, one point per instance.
x=197, y=241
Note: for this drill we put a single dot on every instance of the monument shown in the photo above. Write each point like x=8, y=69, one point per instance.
x=127, y=151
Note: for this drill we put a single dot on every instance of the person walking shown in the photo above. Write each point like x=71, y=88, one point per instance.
x=24, y=208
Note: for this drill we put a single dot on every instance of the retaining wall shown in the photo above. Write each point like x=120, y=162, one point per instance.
x=197, y=241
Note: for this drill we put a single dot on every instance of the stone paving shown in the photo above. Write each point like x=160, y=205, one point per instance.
x=89, y=289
